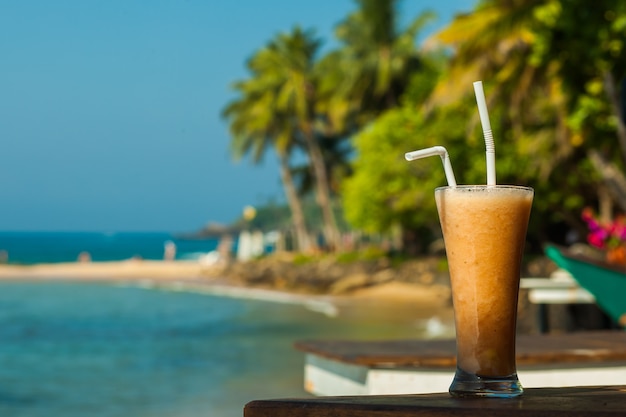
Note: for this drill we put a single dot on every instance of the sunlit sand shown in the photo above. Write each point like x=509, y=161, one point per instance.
x=129, y=269
x=195, y=273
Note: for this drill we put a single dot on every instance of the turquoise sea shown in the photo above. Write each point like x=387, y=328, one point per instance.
x=46, y=247
x=113, y=350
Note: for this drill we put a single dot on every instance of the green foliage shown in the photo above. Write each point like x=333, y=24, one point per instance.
x=274, y=215
x=585, y=44
x=302, y=259
x=442, y=264
x=269, y=216
x=386, y=190
x=547, y=65
x=369, y=253
x=382, y=190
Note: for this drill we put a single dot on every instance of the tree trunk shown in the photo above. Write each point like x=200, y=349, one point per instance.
x=612, y=177
x=322, y=191
x=612, y=93
x=411, y=243
x=605, y=204
x=295, y=206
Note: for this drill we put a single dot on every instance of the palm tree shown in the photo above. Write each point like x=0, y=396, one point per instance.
x=255, y=129
x=372, y=67
x=374, y=64
x=337, y=152
x=283, y=70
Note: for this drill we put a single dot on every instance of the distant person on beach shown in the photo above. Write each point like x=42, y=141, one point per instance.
x=84, y=257
x=170, y=251
x=4, y=257
x=225, y=247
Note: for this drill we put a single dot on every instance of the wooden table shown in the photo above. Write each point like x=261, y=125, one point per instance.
x=348, y=367
x=580, y=347
x=601, y=401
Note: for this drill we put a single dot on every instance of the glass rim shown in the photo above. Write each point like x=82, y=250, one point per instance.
x=485, y=187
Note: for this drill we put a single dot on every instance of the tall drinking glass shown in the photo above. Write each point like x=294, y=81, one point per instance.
x=484, y=229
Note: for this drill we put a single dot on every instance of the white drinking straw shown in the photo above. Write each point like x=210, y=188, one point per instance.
x=435, y=150
x=489, y=144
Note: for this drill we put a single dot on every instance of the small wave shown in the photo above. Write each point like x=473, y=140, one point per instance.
x=325, y=307
x=309, y=302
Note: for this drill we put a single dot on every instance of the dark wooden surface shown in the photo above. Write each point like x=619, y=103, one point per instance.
x=579, y=348
x=536, y=402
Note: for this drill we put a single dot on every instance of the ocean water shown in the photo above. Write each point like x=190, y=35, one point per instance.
x=46, y=247
x=112, y=350
x=71, y=349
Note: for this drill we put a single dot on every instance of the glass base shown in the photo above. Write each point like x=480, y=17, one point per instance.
x=470, y=385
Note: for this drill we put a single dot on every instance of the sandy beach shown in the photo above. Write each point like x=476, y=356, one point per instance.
x=180, y=274
x=104, y=271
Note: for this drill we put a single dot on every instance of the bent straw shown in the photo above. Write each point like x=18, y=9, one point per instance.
x=435, y=150
x=489, y=144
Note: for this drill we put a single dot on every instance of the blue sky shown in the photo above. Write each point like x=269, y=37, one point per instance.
x=110, y=109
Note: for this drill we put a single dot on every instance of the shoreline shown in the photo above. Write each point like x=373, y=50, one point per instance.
x=391, y=300
x=190, y=273
x=106, y=270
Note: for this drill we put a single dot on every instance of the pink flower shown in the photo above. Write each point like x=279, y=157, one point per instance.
x=605, y=236
x=619, y=228
x=595, y=240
